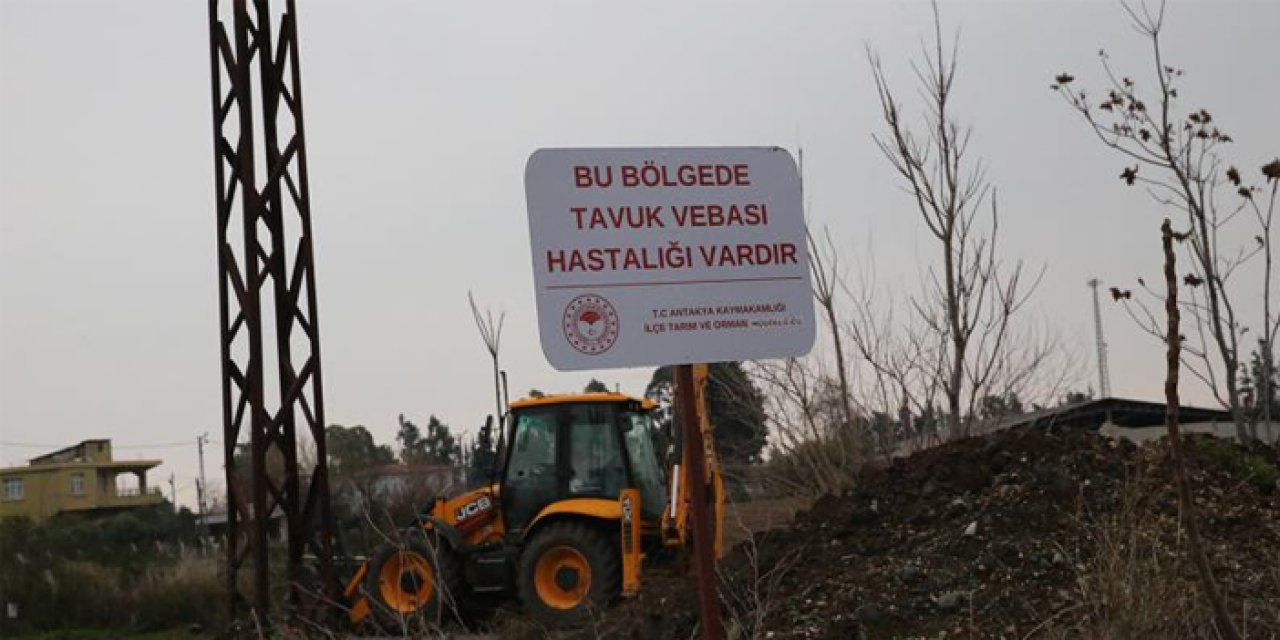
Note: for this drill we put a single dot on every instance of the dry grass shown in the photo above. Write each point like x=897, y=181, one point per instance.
x=180, y=591
x=747, y=517
x=749, y=597
x=1137, y=582
x=1134, y=587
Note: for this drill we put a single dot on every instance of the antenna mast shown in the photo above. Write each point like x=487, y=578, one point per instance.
x=1104, y=377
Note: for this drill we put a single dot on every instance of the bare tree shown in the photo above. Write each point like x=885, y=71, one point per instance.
x=1176, y=155
x=491, y=334
x=825, y=266
x=806, y=428
x=1265, y=216
x=969, y=300
x=901, y=352
x=901, y=355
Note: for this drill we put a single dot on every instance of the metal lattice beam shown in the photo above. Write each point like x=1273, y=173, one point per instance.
x=265, y=269
x=1100, y=344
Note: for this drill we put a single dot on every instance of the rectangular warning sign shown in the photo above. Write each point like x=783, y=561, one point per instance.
x=668, y=256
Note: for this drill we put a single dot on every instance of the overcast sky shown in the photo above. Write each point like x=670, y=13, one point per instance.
x=420, y=116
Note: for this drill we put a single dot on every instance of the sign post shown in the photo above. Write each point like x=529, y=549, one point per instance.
x=670, y=256
x=703, y=547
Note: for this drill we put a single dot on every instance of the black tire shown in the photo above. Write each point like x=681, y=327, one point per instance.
x=603, y=579
x=419, y=552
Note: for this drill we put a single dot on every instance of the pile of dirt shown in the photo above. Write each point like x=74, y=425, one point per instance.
x=1009, y=535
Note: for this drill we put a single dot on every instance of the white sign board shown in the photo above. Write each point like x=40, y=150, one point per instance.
x=668, y=256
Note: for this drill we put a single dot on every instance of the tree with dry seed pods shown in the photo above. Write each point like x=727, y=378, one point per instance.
x=1176, y=154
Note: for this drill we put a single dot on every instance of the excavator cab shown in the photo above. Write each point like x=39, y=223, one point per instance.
x=576, y=447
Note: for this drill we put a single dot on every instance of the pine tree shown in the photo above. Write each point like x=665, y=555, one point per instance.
x=735, y=404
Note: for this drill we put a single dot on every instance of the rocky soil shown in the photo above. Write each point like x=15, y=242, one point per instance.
x=1013, y=535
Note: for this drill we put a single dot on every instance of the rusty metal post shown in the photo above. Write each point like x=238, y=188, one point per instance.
x=703, y=546
x=274, y=272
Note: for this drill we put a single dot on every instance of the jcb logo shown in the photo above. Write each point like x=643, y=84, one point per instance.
x=472, y=508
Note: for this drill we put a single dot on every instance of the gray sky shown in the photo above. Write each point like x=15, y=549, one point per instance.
x=420, y=116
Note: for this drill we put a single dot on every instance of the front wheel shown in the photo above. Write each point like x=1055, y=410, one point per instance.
x=568, y=570
x=415, y=578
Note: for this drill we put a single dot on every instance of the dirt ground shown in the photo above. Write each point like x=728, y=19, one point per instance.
x=1014, y=535
x=742, y=519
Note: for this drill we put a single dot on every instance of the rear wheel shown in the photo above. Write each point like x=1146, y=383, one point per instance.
x=567, y=570
x=412, y=580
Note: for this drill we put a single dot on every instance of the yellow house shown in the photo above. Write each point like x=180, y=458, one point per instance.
x=78, y=478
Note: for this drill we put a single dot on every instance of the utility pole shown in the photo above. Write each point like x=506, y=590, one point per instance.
x=200, y=486
x=1104, y=377
x=173, y=493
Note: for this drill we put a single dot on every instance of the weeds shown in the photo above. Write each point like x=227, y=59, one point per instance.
x=176, y=591
x=1132, y=586
x=748, y=597
x=1247, y=467
x=139, y=571
x=1135, y=581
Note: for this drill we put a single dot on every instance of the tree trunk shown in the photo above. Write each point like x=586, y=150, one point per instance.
x=954, y=417
x=845, y=406
x=1173, y=360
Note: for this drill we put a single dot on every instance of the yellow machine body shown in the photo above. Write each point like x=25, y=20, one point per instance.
x=474, y=527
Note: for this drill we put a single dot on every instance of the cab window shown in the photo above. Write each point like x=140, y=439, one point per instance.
x=641, y=439
x=596, y=465
x=530, y=481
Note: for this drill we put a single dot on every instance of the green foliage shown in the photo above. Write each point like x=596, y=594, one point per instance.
x=595, y=386
x=735, y=404
x=1076, y=397
x=482, y=454
x=995, y=407
x=1260, y=385
x=441, y=446
x=351, y=449
x=410, y=438
x=138, y=570
x=438, y=446
x=115, y=538
x=1249, y=468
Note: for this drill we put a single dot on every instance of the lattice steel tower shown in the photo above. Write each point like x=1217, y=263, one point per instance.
x=1104, y=376
x=267, y=296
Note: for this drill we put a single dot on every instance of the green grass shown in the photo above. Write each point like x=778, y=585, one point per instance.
x=1247, y=467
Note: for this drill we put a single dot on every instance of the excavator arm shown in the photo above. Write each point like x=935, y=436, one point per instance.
x=676, y=517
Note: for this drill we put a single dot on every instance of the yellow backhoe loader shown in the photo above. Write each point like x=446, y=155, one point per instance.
x=585, y=489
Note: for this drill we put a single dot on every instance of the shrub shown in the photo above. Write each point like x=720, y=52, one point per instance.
x=137, y=571
x=1249, y=468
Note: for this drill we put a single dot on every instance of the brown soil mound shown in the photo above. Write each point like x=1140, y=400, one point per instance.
x=1016, y=534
